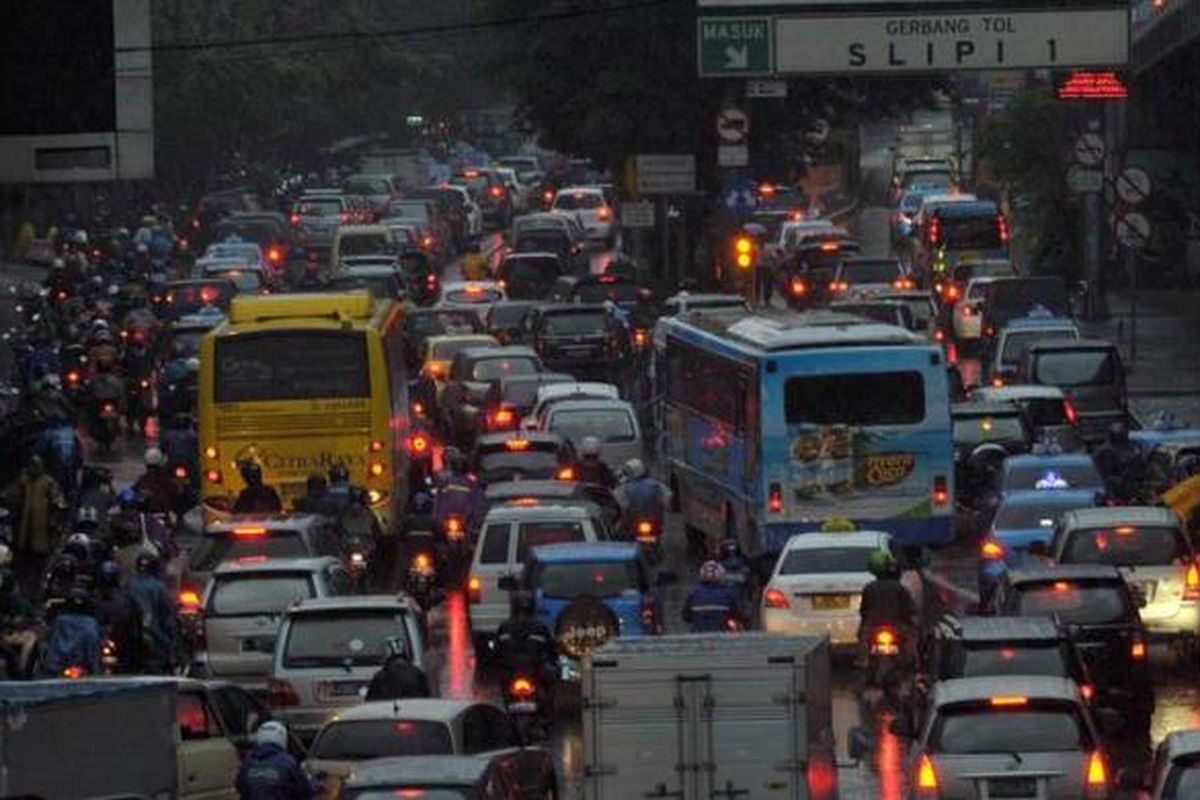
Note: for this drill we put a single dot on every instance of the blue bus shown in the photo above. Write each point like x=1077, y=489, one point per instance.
x=774, y=422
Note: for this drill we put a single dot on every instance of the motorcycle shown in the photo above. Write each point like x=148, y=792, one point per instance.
x=648, y=533
x=421, y=580
x=110, y=664
x=139, y=402
x=886, y=661
x=106, y=424
x=360, y=550
x=527, y=705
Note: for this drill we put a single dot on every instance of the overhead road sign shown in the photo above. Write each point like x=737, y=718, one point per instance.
x=665, y=174
x=734, y=45
x=951, y=41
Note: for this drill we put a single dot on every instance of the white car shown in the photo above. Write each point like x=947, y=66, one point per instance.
x=613, y=422
x=817, y=585
x=968, y=321
x=592, y=210
x=571, y=390
x=475, y=295
x=516, y=189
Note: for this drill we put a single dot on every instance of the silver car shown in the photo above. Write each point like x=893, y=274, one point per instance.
x=328, y=650
x=613, y=422
x=1009, y=736
x=243, y=604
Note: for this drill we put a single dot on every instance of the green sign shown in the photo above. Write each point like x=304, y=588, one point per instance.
x=734, y=45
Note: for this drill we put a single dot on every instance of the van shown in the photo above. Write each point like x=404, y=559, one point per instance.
x=1005, y=299
x=962, y=231
x=505, y=538
x=1090, y=373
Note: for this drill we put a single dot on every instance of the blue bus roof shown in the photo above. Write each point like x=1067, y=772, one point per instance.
x=772, y=331
x=585, y=552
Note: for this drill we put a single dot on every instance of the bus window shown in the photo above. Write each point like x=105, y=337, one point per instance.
x=291, y=365
x=854, y=399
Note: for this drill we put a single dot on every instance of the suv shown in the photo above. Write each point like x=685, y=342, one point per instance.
x=1046, y=408
x=529, y=276
x=1010, y=344
x=361, y=240
x=505, y=538
x=1100, y=613
x=328, y=650
x=242, y=606
x=618, y=289
x=1148, y=546
x=528, y=455
x=467, y=382
x=317, y=218
x=582, y=339
x=1090, y=373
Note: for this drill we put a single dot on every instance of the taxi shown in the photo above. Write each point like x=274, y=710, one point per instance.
x=1050, y=469
x=816, y=586
x=437, y=352
x=477, y=296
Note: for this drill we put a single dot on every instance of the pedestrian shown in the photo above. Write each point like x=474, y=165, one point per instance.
x=38, y=502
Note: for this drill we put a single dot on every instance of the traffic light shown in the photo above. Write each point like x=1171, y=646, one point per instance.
x=743, y=251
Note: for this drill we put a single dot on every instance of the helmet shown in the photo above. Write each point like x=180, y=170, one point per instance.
x=1118, y=433
x=422, y=503
x=192, y=365
x=251, y=472
x=590, y=446
x=838, y=525
x=711, y=572
x=110, y=574
x=522, y=602
x=881, y=563
x=634, y=469
x=142, y=249
x=127, y=498
x=80, y=238
x=147, y=563
x=272, y=732
x=396, y=648
x=154, y=457
x=731, y=548
x=50, y=382
x=57, y=263
x=78, y=546
x=338, y=473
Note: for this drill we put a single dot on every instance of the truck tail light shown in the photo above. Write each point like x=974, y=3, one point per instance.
x=775, y=499
x=941, y=490
x=1072, y=414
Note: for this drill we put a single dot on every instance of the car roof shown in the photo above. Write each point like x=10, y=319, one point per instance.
x=1120, y=515
x=354, y=602
x=418, y=771
x=546, y=490
x=509, y=351
x=433, y=710
x=572, y=552
x=269, y=521
x=363, y=230
x=313, y=564
x=351, y=270
x=458, y=286
x=1019, y=391
x=982, y=689
x=592, y=404
x=566, y=389
x=1070, y=344
x=489, y=439
x=1065, y=572
x=700, y=298
x=1039, y=323
x=1182, y=743
x=545, y=510
x=1005, y=629
x=808, y=541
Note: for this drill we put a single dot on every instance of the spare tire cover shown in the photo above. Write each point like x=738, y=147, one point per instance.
x=585, y=624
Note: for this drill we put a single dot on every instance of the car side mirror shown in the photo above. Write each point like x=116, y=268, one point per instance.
x=860, y=744
x=508, y=583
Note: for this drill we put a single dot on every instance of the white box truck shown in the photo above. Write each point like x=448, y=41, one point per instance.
x=709, y=717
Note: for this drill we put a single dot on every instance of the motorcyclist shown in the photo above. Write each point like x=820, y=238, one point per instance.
x=641, y=497
x=105, y=387
x=120, y=618
x=316, y=498
x=644, y=312
x=525, y=644
x=74, y=640
x=713, y=603
x=269, y=771
x=61, y=576
x=419, y=532
x=474, y=265
x=591, y=468
x=458, y=493
x=733, y=561
x=180, y=443
x=159, y=622
x=257, y=497
x=1116, y=460
x=17, y=616
x=886, y=602
x=156, y=484
x=398, y=678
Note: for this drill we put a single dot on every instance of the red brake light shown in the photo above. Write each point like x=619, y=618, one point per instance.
x=926, y=777
x=1191, y=583
x=797, y=286
x=418, y=443
x=213, y=476
x=249, y=532
x=773, y=598
x=830, y=247
x=181, y=472
x=73, y=673
x=502, y=418
x=294, y=219
x=941, y=490
x=1097, y=770
x=884, y=642
x=1088, y=691
x=496, y=191
x=1072, y=414
x=1137, y=650
x=935, y=231
x=603, y=214
x=72, y=377
x=281, y=694
x=775, y=499
x=951, y=292
x=274, y=254
x=1002, y=228
x=189, y=601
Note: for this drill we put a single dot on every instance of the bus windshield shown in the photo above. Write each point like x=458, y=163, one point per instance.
x=853, y=399
x=291, y=365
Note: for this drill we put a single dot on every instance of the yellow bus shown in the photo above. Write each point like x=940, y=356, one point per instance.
x=298, y=383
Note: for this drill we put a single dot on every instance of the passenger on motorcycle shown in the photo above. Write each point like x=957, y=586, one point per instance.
x=269, y=772
x=120, y=618
x=641, y=497
x=591, y=468
x=74, y=640
x=159, y=623
x=180, y=443
x=156, y=484
x=105, y=387
x=525, y=645
x=885, y=602
x=398, y=678
x=257, y=497
x=713, y=604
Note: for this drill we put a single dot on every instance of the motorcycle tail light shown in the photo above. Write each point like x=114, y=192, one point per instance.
x=181, y=473
x=73, y=673
x=521, y=687
x=885, y=643
x=455, y=529
x=645, y=531
x=773, y=598
x=1191, y=583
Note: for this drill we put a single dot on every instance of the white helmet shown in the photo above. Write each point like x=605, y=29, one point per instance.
x=590, y=446
x=80, y=238
x=5, y=555
x=272, y=732
x=634, y=469
x=154, y=457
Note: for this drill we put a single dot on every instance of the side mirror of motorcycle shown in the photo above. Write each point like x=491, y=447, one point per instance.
x=666, y=579
x=508, y=583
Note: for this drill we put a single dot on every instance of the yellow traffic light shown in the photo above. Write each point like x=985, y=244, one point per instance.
x=743, y=247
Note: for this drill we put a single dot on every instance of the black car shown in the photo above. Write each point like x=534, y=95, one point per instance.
x=421, y=323
x=509, y=400
x=529, y=276
x=1100, y=614
x=524, y=456
x=805, y=276
x=472, y=372
x=619, y=289
x=584, y=340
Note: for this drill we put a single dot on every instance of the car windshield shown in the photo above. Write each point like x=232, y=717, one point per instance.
x=1038, y=476
x=927, y=179
x=365, y=244
x=419, y=327
x=974, y=231
x=543, y=241
x=871, y=271
x=1045, y=411
x=216, y=549
x=600, y=579
x=1022, y=516
x=1012, y=659
x=815, y=560
x=447, y=349
x=342, y=638
x=536, y=534
x=1076, y=602
x=1030, y=728
x=408, y=210
x=975, y=430
x=528, y=278
x=1017, y=342
x=494, y=368
x=577, y=201
x=1126, y=546
x=599, y=291
x=252, y=595
x=575, y=324
x=502, y=316
x=359, y=740
x=607, y=425
x=381, y=287
x=1095, y=367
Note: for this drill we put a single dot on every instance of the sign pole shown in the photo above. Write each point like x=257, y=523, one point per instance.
x=665, y=252
x=1131, y=264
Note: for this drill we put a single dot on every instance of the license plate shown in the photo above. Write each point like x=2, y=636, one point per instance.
x=344, y=689
x=258, y=644
x=1012, y=787
x=830, y=602
x=522, y=708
